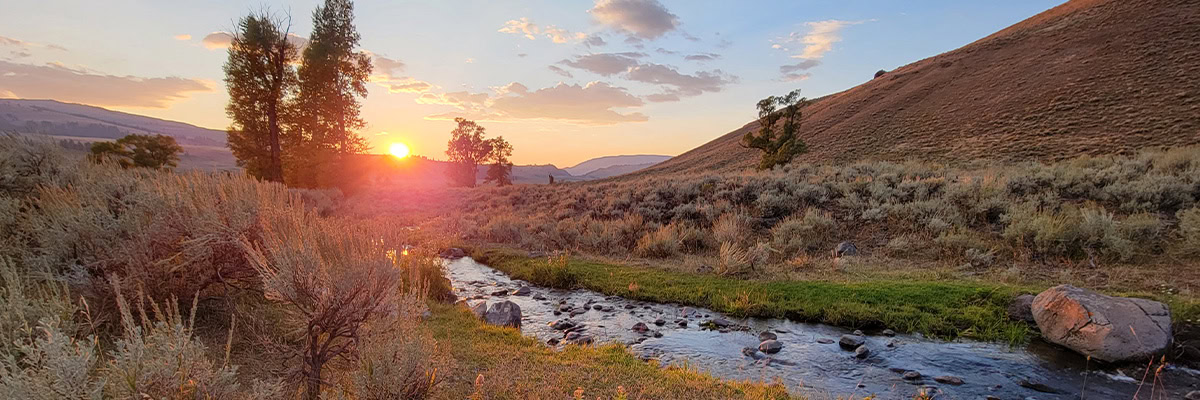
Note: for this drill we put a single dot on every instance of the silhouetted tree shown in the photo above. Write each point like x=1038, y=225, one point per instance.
x=466, y=149
x=779, y=124
x=333, y=76
x=260, y=78
x=145, y=151
x=500, y=171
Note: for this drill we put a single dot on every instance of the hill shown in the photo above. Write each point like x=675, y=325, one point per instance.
x=587, y=167
x=1086, y=77
x=615, y=170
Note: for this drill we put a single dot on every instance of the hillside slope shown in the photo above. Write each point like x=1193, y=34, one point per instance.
x=594, y=164
x=78, y=120
x=1086, y=77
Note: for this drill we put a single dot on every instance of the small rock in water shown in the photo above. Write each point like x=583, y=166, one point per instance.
x=825, y=341
x=597, y=307
x=852, y=341
x=858, y=332
x=552, y=341
x=557, y=313
x=522, y=291
x=770, y=346
x=750, y=352
x=1038, y=386
x=778, y=330
x=720, y=322
x=1193, y=395
x=723, y=330
x=562, y=324
x=500, y=292
x=765, y=336
x=862, y=352
x=640, y=327
x=912, y=375
x=539, y=297
x=629, y=306
x=949, y=380
x=660, y=322
x=658, y=334
x=682, y=323
x=891, y=343
x=572, y=336
x=889, y=333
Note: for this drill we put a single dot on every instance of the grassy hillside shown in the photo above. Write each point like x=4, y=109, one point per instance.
x=1087, y=77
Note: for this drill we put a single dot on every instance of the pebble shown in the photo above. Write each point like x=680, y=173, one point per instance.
x=770, y=346
x=640, y=327
x=889, y=333
x=862, y=352
x=660, y=322
x=912, y=375
x=852, y=341
x=949, y=380
x=765, y=336
x=825, y=341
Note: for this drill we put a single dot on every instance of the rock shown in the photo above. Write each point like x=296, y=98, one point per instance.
x=501, y=292
x=825, y=341
x=682, y=323
x=658, y=334
x=765, y=336
x=1021, y=309
x=889, y=333
x=770, y=346
x=640, y=327
x=539, y=297
x=564, y=307
x=479, y=309
x=629, y=306
x=1107, y=328
x=912, y=375
x=862, y=352
x=562, y=324
x=858, y=332
x=452, y=253
x=552, y=341
x=505, y=313
x=845, y=249
x=852, y=341
x=891, y=343
x=426, y=315
x=522, y=291
x=1193, y=395
x=720, y=323
x=660, y=322
x=597, y=307
x=1038, y=386
x=572, y=336
x=751, y=352
x=949, y=380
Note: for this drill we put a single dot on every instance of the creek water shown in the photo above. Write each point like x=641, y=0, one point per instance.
x=811, y=361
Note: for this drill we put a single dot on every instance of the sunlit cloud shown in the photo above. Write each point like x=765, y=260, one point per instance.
x=674, y=83
x=816, y=41
x=595, y=103
x=183, y=37
x=22, y=49
x=531, y=31
x=217, y=40
x=521, y=27
x=645, y=19
x=76, y=84
x=606, y=64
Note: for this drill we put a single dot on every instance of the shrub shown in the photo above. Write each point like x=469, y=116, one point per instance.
x=662, y=243
x=809, y=232
x=733, y=228
x=398, y=359
x=553, y=272
x=25, y=304
x=732, y=260
x=1189, y=228
x=53, y=366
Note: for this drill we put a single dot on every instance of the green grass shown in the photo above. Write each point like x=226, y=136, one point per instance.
x=940, y=309
x=498, y=363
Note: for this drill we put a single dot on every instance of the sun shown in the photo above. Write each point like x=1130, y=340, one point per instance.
x=399, y=150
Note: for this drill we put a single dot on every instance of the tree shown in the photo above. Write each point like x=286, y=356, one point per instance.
x=260, y=78
x=467, y=149
x=333, y=75
x=145, y=151
x=500, y=171
x=779, y=125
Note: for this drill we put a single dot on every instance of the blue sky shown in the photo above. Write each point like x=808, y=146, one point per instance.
x=438, y=59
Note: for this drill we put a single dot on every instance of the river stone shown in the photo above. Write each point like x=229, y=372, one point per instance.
x=1193, y=395
x=852, y=341
x=1107, y=328
x=522, y=291
x=479, y=309
x=660, y=322
x=765, y=336
x=505, y=313
x=770, y=346
x=640, y=327
x=825, y=341
x=949, y=380
x=720, y=322
x=552, y=341
x=597, y=307
x=629, y=306
x=751, y=352
x=500, y=292
x=862, y=351
x=682, y=323
x=1021, y=309
x=1038, y=386
x=658, y=334
x=452, y=253
x=912, y=375
x=845, y=249
x=539, y=297
x=889, y=333
x=562, y=324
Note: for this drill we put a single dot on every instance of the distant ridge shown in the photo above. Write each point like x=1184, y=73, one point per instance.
x=1086, y=77
x=594, y=164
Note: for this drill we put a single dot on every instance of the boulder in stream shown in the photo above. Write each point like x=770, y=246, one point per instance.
x=504, y=313
x=640, y=327
x=765, y=336
x=522, y=291
x=949, y=380
x=852, y=341
x=770, y=346
x=862, y=352
x=1107, y=328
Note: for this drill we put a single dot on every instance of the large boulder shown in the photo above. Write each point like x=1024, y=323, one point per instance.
x=504, y=313
x=1106, y=328
x=479, y=309
x=1021, y=308
x=845, y=249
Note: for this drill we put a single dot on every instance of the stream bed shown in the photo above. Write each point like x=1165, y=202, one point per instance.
x=811, y=361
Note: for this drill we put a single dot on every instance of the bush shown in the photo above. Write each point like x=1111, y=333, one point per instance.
x=732, y=260
x=733, y=228
x=53, y=366
x=808, y=233
x=553, y=272
x=1189, y=229
x=398, y=358
x=662, y=243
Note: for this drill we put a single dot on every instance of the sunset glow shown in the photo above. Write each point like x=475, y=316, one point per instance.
x=399, y=150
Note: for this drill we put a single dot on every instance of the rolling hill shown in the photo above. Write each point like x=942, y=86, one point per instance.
x=1086, y=77
x=589, y=166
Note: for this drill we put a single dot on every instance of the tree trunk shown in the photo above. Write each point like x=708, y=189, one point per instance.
x=312, y=374
x=275, y=170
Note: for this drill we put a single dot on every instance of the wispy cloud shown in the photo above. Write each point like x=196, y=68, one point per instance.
x=595, y=103
x=183, y=37
x=531, y=31
x=76, y=84
x=816, y=41
x=674, y=83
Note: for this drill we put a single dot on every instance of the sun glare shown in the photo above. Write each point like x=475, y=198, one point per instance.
x=399, y=150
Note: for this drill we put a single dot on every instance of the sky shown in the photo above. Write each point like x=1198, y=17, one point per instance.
x=562, y=80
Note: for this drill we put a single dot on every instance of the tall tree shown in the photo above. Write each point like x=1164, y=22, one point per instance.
x=333, y=75
x=467, y=149
x=260, y=78
x=500, y=171
x=779, y=126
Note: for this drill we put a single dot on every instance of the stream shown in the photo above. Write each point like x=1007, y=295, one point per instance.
x=811, y=361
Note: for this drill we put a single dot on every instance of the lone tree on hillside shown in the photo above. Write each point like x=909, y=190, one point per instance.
x=260, y=78
x=779, y=123
x=468, y=147
x=145, y=151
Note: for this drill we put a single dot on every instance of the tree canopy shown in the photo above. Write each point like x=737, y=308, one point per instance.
x=144, y=151
x=779, y=125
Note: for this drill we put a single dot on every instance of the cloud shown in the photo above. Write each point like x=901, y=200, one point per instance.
x=521, y=27
x=408, y=85
x=819, y=38
x=522, y=55
x=22, y=49
x=183, y=37
x=560, y=71
x=559, y=35
x=594, y=41
x=702, y=57
x=645, y=19
x=591, y=104
x=59, y=82
x=795, y=77
x=386, y=66
x=667, y=52
x=801, y=66
x=680, y=84
x=386, y=72
x=606, y=64
x=217, y=40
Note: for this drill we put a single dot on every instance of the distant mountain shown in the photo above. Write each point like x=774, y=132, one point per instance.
x=66, y=119
x=616, y=170
x=588, y=166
